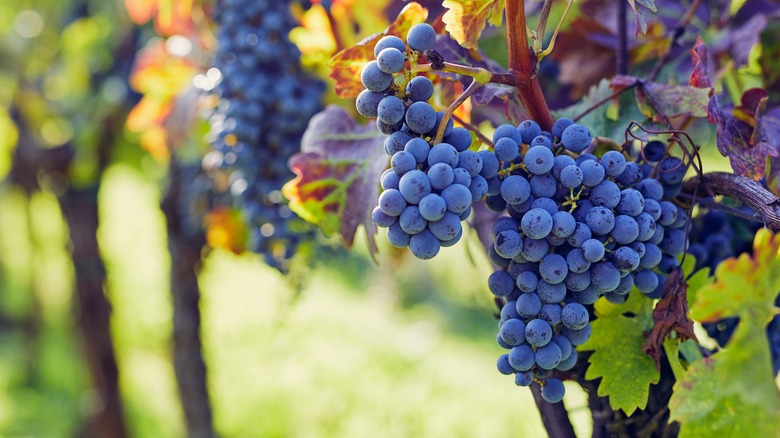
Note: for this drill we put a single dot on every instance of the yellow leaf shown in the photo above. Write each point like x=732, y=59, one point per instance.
x=466, y=19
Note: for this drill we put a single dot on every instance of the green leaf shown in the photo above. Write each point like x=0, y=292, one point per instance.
x=626, y=372
x=466, y=19
x=733, y=393
x=609, y=119
x=338, y=171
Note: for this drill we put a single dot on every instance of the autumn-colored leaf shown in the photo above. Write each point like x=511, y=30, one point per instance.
x=641, y=22
x=466, y=19
x=347, y=64
x=338, y=170
x=709, y=400
x=736, y=139
x=655, y=99
x=700, y=76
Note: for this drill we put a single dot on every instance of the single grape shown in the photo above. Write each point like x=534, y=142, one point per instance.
x=563, y=344
x=549, y=356
x=459, y=138
x=606, y=194
x=441, y=176
x=592, y=172
x=545, y=204
x=390, y=179
x=418, y=147
x=539, y=160
x=471, y=161
x=489, y=164
x=654, y=150
x=626, y=230
x=576, y=261
x=367, y=103
x=420, y=117
x=528, y=131
x=600, y=220
x=390, y=60
x=508, y=244
x=513, y=332
x=593, y=250
x=524, y=379
x=421, y=37
x=577, y=281
x=553, y=268
x=538, y=332
x=574, y=316
x=651, y=189
x=478, y=188
x=551, y=313
x=563, y=224
x=626, y=284
x=569, y=362
x=413, y=185
x=581, y=233
x=374, y=79
x=446, y=228
x=506, y=149
x=457, y=197
x=631, y=175
x=397, y=237
x=432, y=207
x=503, y=365
x=461, y=176
x=402, y=162
x=559, y=163
x=645, y=281
x=571, y=177
x=443, y=153
x=626, y=259
x=541, y=140
x=605, y=276
x=521, y=357
x=501, y=284
x=392, y=202
x=412, y=221
x=424, y=245
x=576, y=138
x=382, y=219
x=515, y=189
x=528, y=305
x=614, y=163
x=551, y=293
x=420, y=89
x=389, y=41
x=671, y=170
x=537, y=223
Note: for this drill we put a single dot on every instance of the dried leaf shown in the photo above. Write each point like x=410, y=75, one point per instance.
x=338, y=170
x=670, y=315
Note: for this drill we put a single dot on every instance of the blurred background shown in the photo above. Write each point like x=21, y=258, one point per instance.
x=100, y=243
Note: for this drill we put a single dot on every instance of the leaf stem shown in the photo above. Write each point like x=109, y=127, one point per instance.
x=481, y=75
x=540, y=27
x=550, y=48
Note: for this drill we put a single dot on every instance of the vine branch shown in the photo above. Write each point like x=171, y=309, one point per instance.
x=522, y=65
x=749, y=192
x=470, y=90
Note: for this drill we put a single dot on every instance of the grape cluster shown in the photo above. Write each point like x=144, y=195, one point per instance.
x=718, y=236
x=265, y=103
x=578, y=229
x=428, y=189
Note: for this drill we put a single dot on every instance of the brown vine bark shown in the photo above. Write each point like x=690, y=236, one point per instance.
x=185, y=249
x=750, y=192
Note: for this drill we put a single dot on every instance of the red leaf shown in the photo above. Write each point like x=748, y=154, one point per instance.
x=700, y=77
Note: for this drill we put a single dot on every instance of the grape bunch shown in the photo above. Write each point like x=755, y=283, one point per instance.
x=578, y=228
x=265, y=103
x=429, y=188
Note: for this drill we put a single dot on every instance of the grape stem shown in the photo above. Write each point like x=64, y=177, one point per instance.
x=538, y=35
x=551, y=46
x=471, y=89
x=480, y=74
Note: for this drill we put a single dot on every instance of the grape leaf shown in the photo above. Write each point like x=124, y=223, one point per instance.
x=338, y=170
x=732, y=392
x=466, y=19
x=641, y=23
x=347, y=64
x=654, y=99
x=742, y=137
x=770, y=59
x=700, y=76
x=626, y=372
